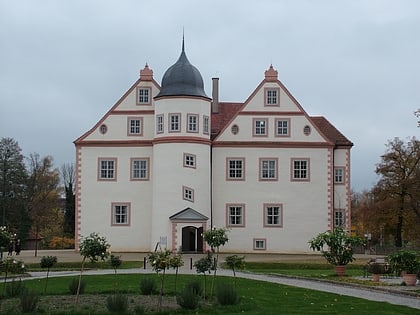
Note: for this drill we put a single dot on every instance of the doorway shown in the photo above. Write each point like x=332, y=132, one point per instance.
x=192, y=239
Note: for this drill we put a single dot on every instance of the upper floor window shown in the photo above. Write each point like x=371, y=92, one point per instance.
x=120, y=214
x=189, y=160
x=339, y=175
x=282, y=127
x=143, y=96
x=188, y=193
x=174, y=122
x=300, y=169
x=273, y=215
x=272, y=96
x=107, y=169
x=235, y=215
x=235, y=168
x=159, y=123
x=260, y=127
x=206, y=124
x=268, y=169
x=140, y=169
x=192, y=125
x=135, y=126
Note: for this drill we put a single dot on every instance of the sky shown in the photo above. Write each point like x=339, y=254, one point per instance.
x=64, y=64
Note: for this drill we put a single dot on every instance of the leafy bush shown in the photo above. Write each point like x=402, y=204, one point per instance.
x=148, y=286
x=117, y=303
x=195, y=286
x=226, y=294
x=73, y=286
x=14, y=288
x=29, y=301
x=188, y=298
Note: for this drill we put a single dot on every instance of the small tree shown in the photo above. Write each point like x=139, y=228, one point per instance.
x=204, y=265
x=115, y=262
x=176, y=262
x=160, y=261
x=48, y=262
x=340, y=246
x=94, y=247
x=235, y=262
x=215, y=238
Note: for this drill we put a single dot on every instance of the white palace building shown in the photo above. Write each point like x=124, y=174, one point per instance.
x=168, y=162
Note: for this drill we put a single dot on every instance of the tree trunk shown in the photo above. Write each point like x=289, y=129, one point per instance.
x=398, y=236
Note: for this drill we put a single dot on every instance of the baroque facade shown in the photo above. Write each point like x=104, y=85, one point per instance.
x=168, y=162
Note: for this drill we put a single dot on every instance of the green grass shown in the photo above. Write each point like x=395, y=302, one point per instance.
x=256, y=297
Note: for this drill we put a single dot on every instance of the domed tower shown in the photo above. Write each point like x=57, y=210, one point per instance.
x=181, y=159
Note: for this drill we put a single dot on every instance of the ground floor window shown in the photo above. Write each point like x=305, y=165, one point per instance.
x=260, y=243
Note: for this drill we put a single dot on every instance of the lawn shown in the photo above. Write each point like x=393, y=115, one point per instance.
x=256, y=297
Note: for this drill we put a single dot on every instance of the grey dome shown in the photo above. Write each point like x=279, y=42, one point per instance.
x=182, y=79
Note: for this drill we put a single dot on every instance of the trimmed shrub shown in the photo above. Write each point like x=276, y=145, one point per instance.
x=29, y=301
x=226, y=294
x=188, y=299
x=73, y=286
x=14, y=288
x=195, y=286
x=148, y=286
x=117, y=303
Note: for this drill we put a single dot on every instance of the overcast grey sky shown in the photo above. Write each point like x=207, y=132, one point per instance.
x=64, y=64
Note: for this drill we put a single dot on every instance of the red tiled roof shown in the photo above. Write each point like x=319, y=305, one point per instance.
x=225, y=114
x=330, y=131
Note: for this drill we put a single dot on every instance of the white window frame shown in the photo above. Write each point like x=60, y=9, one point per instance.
x=107, y=169
x=339, y=218
x=120, y=214
x=268, y=169
x=272, y=97
x=192, y=123
x=235, y=215
x=159, y=123
x=279, y=130
x=140, y=171
x=143, y=95
x=187, y=193
x=235, y=168
x=339, y=175
x=300, y=169
x=190, y=160
x=206, y=124
x=270, y=216
x=258, y=241
x=174, y=122
x=260, y=127
x=135, y=126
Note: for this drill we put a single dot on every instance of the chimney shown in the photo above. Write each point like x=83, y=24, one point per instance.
x=215, y=95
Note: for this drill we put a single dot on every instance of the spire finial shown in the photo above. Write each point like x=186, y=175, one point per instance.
x=183, y=46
